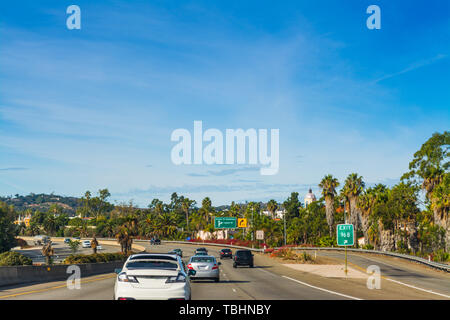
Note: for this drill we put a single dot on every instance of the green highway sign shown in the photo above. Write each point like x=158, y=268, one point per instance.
x=345, y=235
x=225, y=223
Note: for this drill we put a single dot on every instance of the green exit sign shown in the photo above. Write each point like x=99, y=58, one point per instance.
x=225, y=223
x=345, y=235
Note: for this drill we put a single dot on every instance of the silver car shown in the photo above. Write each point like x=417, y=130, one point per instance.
x=206, y=267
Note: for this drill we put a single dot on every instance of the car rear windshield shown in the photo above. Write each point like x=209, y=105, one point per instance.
x=226, y=250
x=152, y=265
x=153, y=257
x=243, y=253
x=202, y=259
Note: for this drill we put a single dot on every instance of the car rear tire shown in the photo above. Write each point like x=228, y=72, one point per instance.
x=251, y=266
x=234, y=265
x=216, y=280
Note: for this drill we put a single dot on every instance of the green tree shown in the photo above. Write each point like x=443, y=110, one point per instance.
x=74, y=245
x=352, y=189
x=8, y=230
x=292, y=206
x=186, y=206
x=272, y=207
x=430, y=169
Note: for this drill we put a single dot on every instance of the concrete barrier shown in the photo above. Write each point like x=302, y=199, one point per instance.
x=34, y=274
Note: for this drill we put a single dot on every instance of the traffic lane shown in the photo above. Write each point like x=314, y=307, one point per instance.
x=247, y=283
x=100, y=287
x=403, y=271
x=356, y=288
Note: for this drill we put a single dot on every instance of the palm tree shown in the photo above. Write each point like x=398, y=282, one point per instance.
x=206, y=209
x=167, y=223
x=186, y=205
x=272, y=206
x=328, y=186
x=50, y=224
x=353, y=187
x=366, y=203
x=124, y=238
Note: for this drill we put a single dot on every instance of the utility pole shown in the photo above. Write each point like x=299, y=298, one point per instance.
x=253, y=225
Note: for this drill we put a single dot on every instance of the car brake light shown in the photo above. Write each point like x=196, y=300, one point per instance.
x=122, y=277
x=179, y=278
x=189, y=266
x=215, y=266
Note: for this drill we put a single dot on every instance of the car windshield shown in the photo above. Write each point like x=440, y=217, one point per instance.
x=152, y=265
x=202, y=259
x=243, y=253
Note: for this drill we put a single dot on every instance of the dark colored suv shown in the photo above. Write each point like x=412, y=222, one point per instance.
x=226, y=253
x=243, y=258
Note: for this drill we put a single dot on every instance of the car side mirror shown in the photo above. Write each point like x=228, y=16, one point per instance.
x=219, y=263
x=192, y=272
x=118, y=270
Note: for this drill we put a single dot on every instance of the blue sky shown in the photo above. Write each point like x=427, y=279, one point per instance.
x=93, y=108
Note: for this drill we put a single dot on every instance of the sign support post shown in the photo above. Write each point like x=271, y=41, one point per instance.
x=345, y=237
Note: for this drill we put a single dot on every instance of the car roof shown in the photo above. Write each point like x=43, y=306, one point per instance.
x=154, y=256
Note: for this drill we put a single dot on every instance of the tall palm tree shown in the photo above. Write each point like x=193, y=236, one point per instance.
x=366, y=203
x=353, y=187
x=272, y=206
x=207, y=209
x=167, y=223
x=328, y=186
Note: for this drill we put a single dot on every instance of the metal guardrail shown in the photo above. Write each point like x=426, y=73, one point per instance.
x=436, y=265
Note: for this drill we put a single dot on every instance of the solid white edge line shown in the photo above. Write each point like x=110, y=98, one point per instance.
x=322, y=289
x=417, y=288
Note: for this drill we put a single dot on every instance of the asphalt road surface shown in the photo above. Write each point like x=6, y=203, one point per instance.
x=269, y=279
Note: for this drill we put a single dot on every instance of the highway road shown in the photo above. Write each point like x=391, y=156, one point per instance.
x=269, y=279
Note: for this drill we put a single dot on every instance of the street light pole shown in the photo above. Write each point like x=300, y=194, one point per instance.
x=253, y=226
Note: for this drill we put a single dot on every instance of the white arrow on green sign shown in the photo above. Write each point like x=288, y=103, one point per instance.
x=225, y=223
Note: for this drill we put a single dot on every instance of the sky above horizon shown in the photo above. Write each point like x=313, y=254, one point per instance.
x=95, y=108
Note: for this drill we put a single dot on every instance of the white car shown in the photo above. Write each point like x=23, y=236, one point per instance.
x=86, y=244
x=153, y=276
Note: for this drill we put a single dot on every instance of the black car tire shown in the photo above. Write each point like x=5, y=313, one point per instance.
x=251, y=266
x=234, y=265
x=216, y=280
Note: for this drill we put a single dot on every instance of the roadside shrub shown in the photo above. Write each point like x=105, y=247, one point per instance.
x=94, y=258
x=22, y=243
x=441, y=256
x=327, y=241
x=368, y=247
x=305, y=257
x=11, y=258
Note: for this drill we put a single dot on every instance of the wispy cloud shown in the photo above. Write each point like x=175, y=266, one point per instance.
x=412, y=67
x=13, y=169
